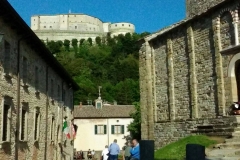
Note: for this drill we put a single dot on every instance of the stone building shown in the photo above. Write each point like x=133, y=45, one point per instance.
x=79, y=26
x=36, y=94
x=189, y=73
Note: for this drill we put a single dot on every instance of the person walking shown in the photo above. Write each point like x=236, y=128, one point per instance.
x=93, y=153
x=127, y=151
x=89, y=154
x=105, y=153
x=114, y=150
x=135, y=151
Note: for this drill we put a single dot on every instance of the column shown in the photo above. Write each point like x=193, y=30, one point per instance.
x=143, y=92
x=219, y=70
x=235, y=24
x=149, y=91
x=193, y=79
x=171, y=79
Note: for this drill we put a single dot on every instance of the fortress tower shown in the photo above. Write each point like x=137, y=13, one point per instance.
x=196, y=7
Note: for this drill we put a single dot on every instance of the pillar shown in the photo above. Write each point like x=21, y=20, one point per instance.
x=171, y=79
x=219, y=69
x=193, y=79
x=150, y=107
x=235, y=24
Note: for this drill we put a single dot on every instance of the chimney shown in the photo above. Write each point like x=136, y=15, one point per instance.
x=80, y=105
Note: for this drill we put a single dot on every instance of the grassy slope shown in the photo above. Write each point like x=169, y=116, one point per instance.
x=177, y=150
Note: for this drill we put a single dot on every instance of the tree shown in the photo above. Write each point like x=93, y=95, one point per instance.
x=90, y=41
x=54, y=47
x=66, y=44
x=135, y=127
x=98, y=41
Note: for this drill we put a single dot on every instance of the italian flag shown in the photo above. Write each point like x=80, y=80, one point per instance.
x=65, y=129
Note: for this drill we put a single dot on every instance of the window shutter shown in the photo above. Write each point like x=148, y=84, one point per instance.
x=105, y=129
x=122, y=129
x=112, y=129
x=95, y=129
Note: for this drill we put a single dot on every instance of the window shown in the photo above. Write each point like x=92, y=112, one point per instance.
x=50, y=26
x=44, y=27
x=75, y=27
x=7, y=57
x=63, y=95
x=25, y=70
x=52, y=89
x=58, y=90
x=122, y=24
x=52, y=129
x=5, y=122
x=117, y=129
x=100, y=129
x=23, y=126
x=36, y=78
x=36, y=123
x=115, y=25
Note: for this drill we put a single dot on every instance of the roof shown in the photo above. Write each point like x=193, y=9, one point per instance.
x=107, y=111
x=11, y=17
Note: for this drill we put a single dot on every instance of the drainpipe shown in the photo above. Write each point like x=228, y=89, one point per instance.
x=47, y=105
x=18, y=96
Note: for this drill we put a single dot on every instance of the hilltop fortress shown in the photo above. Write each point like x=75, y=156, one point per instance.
x=79, y=26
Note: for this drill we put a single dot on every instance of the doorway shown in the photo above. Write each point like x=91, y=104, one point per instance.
x=237, y=75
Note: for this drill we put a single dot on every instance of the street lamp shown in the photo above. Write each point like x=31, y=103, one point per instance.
x=1, y=37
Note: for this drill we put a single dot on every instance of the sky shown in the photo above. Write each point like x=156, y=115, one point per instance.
x=146, y=15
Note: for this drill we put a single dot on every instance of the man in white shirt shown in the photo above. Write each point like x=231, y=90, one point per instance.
x=105, y=153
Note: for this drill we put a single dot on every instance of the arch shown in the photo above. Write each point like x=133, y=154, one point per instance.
x=232, y=77
x=231, y=65
x=227, y=30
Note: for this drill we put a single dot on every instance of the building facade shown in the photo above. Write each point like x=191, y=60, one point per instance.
x=99, y=126
x=36, y=94
x=189, y=73
x=79, y=26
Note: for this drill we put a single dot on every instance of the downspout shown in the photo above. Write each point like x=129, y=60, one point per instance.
x=18, y=97
x=47, y=105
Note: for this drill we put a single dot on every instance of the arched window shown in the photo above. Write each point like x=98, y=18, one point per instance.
x=227, y=30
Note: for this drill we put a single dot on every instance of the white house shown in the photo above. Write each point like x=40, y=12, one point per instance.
x=99, y=126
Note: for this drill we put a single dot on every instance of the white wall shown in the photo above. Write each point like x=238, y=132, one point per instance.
x=87, y=139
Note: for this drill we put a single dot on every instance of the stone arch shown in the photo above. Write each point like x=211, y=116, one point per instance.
x=226, y=29
x=234, y=63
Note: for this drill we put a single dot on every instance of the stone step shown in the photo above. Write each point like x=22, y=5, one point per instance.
x=230, y=140
x=236, y=129
x=229, y=145
x=222, y=158
x=225, y=152
x=236, y=134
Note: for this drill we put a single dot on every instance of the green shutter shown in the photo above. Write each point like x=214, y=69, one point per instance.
x=95, y=129
x=105, y=129
x=122, y=129
x=112, y=129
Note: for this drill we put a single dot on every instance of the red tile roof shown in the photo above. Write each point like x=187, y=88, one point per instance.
x=107, y=111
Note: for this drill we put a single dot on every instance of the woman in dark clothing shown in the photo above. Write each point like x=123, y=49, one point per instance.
x=89, y=154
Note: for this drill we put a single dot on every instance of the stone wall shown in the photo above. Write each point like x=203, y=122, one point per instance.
x=196, y=7
x=184, y=73
x=34, y=98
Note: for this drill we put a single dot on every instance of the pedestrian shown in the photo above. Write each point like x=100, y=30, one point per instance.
x=114, y=150
x=93, y=153
x=105, y=153
x=81, y=155
x=135, y=151
x=127, y=151
x=89, y=154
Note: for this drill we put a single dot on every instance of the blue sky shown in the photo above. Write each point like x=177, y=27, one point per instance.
x=146, y=15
